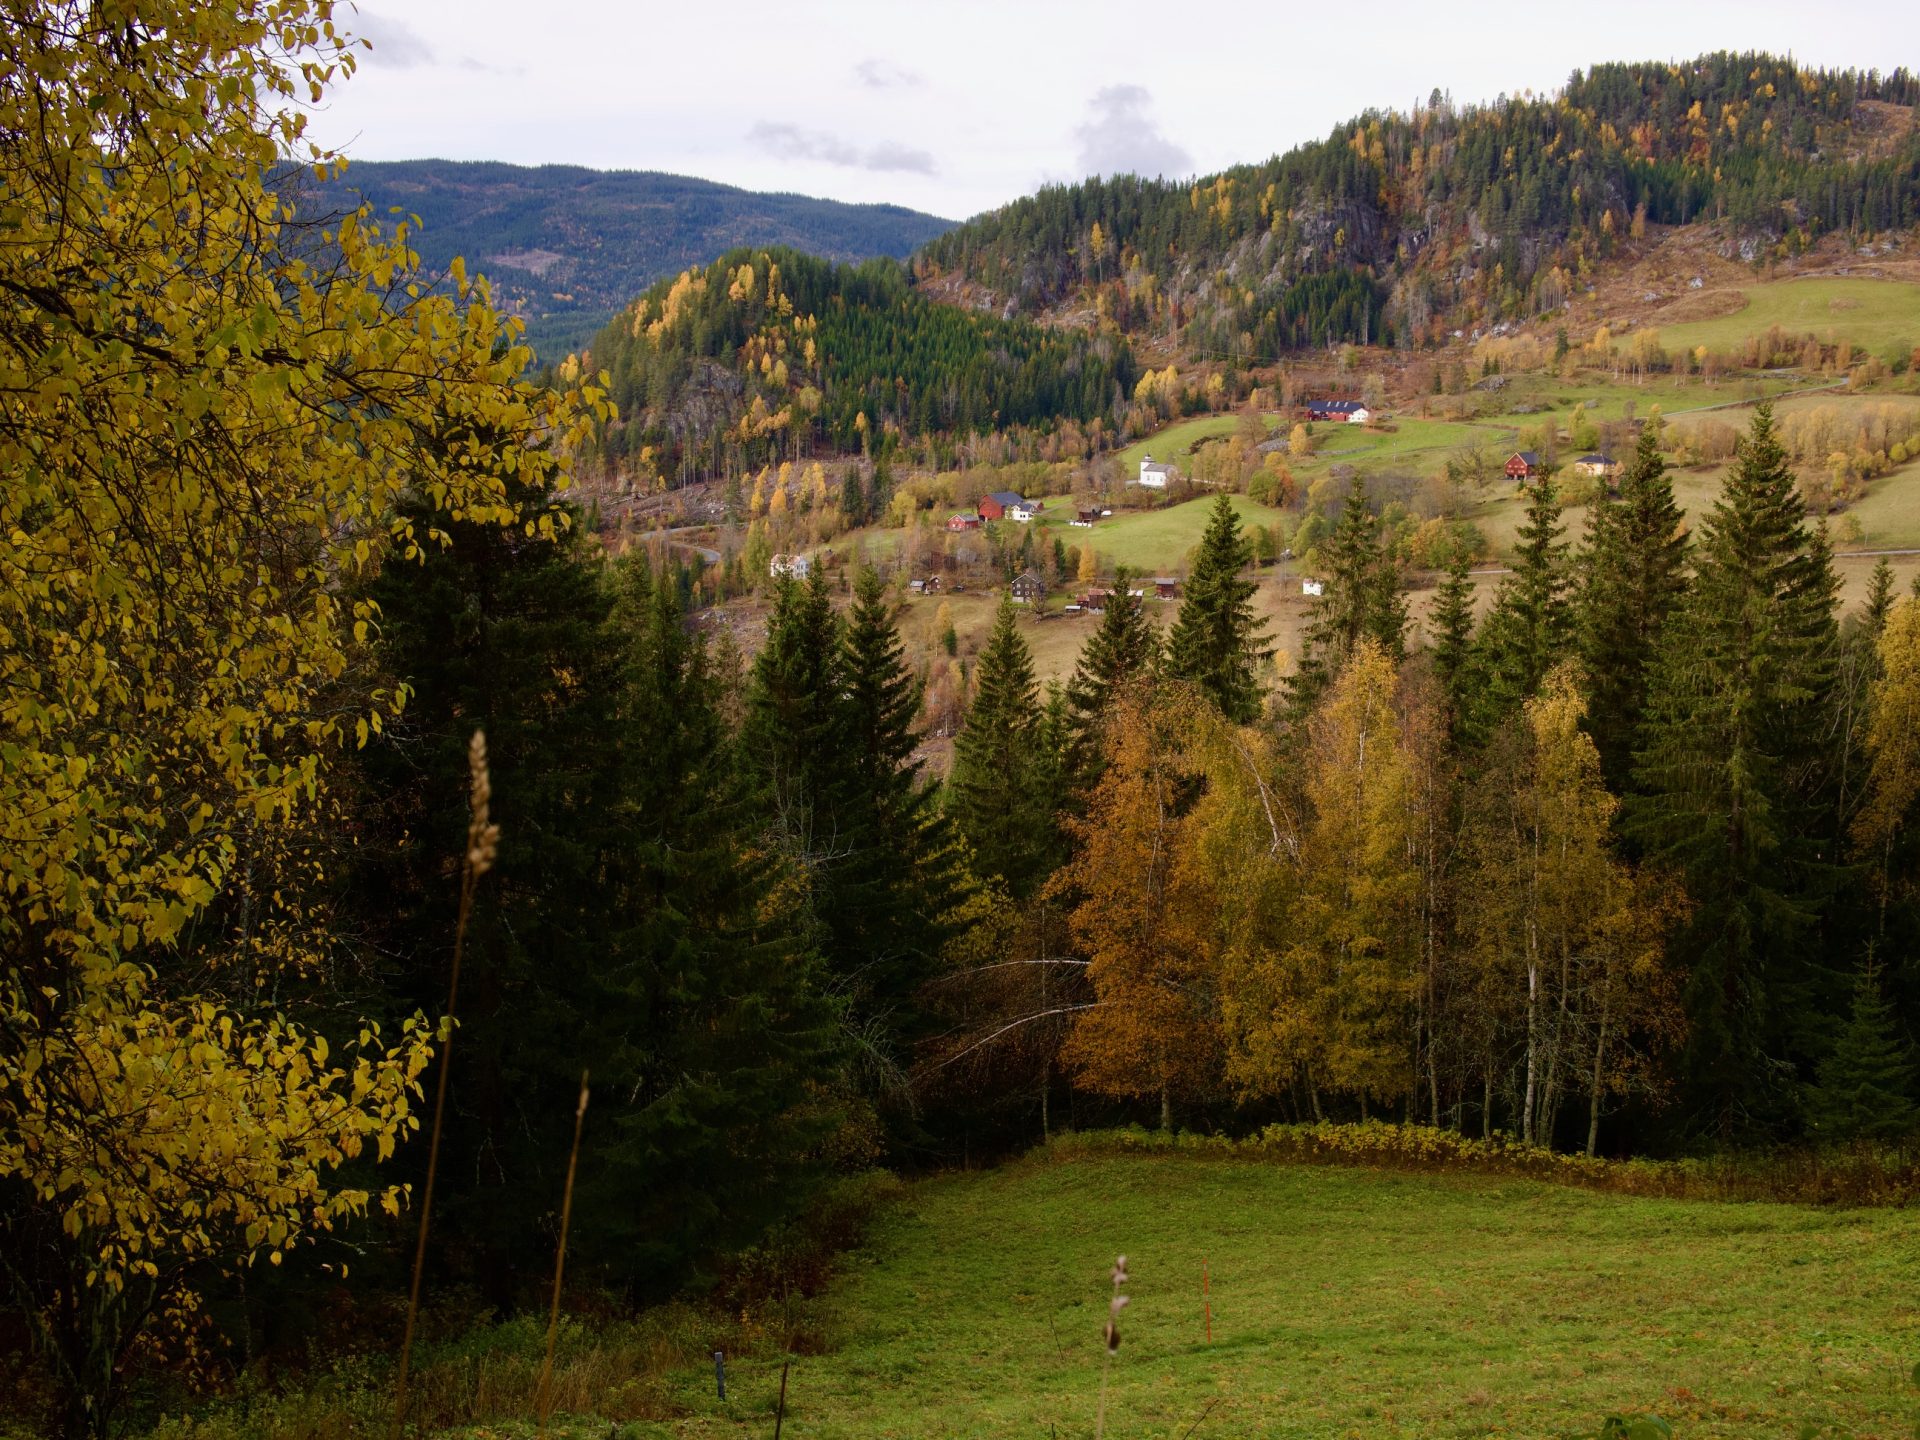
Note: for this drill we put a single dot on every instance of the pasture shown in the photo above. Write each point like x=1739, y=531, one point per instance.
x=1878, y=316
x=1344, y=1302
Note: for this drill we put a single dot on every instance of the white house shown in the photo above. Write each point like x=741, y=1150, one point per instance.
x=798, y=566
x=1312, y=587
x=1025, y=511
x=1154, y=475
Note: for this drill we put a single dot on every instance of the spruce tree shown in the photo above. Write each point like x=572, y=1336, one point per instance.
x=1634, y=574
x=999, y=794
x=1119, y=653
x=1864, y=1087
x=895, y=880
x=1530, y=628
x=1879, y=597
x=791, y=740
x=1451, y=626
x=1217, y=642
x=1728, y=776
x=715, y=1050
x=1360, y=597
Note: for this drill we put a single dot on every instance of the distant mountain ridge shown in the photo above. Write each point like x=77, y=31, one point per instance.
x=565, y=246
x=1401, y=228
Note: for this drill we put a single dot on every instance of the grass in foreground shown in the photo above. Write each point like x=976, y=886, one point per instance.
x=1345, y=1303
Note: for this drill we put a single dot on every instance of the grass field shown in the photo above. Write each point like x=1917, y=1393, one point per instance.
x=1882, y=316
x=1176, y=442
x=1344, y=1303
x=1157, y=541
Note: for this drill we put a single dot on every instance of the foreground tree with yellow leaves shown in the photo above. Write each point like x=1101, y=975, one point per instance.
x=215, y=413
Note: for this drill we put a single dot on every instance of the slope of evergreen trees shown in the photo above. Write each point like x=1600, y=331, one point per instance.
x=766, y=354
x=1378, y=231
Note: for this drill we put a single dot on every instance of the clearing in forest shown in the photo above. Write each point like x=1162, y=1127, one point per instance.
x=1345, y=1302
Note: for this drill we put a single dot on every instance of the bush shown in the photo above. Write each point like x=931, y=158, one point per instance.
x=1862, y=1174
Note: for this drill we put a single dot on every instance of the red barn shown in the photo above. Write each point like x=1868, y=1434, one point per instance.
x=1523, y=466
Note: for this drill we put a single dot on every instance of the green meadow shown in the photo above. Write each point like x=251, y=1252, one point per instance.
x=1344, y=1302
x=1881, y=316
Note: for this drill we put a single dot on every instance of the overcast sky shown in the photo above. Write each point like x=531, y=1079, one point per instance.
x=956, y=108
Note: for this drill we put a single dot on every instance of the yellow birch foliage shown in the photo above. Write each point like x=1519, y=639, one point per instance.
x=1893, y=743
x=1137, y=919
x=212, y=417
x=1333, y=1001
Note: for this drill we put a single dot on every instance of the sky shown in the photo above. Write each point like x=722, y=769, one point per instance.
x=956, y=108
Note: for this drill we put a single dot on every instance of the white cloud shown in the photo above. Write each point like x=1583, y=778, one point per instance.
x=791, y=142
x=1121, y=138
x=395, y=44
x=878, y=74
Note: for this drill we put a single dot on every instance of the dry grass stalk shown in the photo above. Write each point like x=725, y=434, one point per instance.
x=560, y=1258
x=1114, y=1307
x=483, y=838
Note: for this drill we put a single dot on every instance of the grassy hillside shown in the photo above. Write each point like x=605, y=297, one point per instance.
x=1345, y=1303
x=1879, y=316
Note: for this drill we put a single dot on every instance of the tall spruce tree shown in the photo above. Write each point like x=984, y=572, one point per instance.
x=1530, y=628
x=716, y=1082
x=1001, y=795
x=1360, y=598
x=1634, y=575
x=791, y=738
x=1864, y=1087
x=1217, y=642
x=1728, y=776
x=898, y=878
x=1121, y=652
x=1451, y=626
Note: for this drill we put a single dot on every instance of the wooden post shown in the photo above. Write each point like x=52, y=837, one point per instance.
x=780, y=1411
x=1206, y=1296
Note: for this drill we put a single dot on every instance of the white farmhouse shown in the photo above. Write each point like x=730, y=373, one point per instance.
x=1312, y=587
x=798, y=566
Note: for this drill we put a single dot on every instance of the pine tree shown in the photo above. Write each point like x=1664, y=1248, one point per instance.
x=1118, y=654
x=1864, y=1087
x=1360, y=598
x=998, y=794
x=1217, y=642
x=1729, y=771
x=1635, y=573
x=1530, y=628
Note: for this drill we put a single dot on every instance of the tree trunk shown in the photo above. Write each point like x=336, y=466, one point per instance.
x=1166, y=1109
x=1486, y=1107
x=1533, y=1045
x=1593, y=1102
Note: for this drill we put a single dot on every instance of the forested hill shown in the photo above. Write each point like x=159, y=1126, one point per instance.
x=1399, y=227
x=565, y=246
x=765, y=354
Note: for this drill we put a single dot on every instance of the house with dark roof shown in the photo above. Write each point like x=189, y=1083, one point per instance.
x=1524, y=465
x=1028, y=588
x=963, y=521
x=997, y=505
x=1599, y=465
x=1349, y=412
